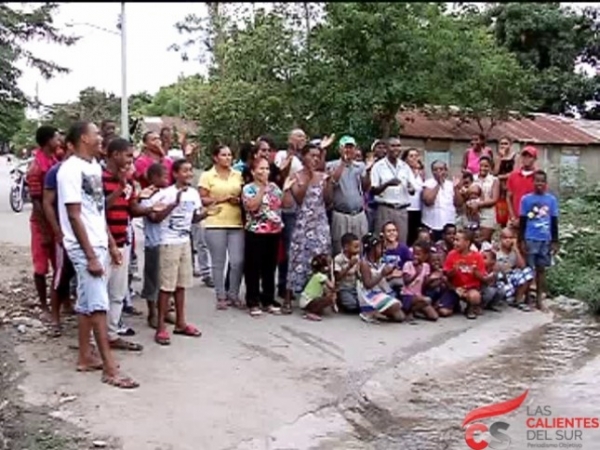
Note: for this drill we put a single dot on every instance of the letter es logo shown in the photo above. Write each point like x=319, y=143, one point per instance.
x=474, y=432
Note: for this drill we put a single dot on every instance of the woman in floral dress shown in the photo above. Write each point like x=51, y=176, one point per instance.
x=309, y=190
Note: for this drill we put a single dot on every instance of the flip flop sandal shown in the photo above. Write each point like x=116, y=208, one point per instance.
x=524, y=307
x=312, y=317
x=92, y=368
x=55, y=331
x=122, y=344
x=162, y=338
x=255, y=312
x=222, y=305
x=275, y=310
x=120, y=382
x=470, y=315
x=286, y=309
x=189, y=331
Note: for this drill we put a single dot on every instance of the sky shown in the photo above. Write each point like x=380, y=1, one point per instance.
x=95, y=60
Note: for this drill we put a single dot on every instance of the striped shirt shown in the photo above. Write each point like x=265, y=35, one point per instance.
x=117, y=215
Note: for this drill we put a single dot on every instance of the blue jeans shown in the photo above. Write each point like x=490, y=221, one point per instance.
x=92, y=292
x=289, y=223
x=538, y=254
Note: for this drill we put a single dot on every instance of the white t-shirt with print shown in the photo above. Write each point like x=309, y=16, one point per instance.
x=80, y=182
x=177, y=226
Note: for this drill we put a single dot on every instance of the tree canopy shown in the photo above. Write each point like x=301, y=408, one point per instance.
x=20, y=24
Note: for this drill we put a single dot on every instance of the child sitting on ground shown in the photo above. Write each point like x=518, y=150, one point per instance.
x=435, y=284
x=465, y=270
x=396, y=254
x=491, y=293
x=446, y=244
x=319, y=293
x=515, y=276
x=424, y=235
x=374, y=292
x=345, y=269
x=415, y=273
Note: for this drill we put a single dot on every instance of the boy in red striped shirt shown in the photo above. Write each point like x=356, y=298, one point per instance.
x=122, y=204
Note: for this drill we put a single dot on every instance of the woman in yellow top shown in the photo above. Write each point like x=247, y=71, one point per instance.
x=222, y=186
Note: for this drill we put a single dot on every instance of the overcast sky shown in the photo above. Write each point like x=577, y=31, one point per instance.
x=96, y=59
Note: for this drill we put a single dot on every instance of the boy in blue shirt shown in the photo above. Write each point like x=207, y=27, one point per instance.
x=539, y=230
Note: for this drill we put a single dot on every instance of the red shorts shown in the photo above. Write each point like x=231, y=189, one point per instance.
x=43, y=255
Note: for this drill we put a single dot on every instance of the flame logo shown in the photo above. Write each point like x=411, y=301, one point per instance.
x=497, y=409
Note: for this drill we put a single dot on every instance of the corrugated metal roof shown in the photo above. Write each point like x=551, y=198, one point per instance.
x=156, y=123
x=540, y=129
x=589, y=126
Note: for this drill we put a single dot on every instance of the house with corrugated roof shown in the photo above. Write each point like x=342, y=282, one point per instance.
x=562, y=142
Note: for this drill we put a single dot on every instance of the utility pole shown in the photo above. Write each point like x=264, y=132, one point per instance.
x=124, y=98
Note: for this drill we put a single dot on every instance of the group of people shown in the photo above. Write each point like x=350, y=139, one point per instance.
x=364, y=234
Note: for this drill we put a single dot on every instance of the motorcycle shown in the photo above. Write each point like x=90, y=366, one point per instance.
x=19, y=192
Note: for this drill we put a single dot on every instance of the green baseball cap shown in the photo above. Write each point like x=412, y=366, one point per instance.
x=347, y=140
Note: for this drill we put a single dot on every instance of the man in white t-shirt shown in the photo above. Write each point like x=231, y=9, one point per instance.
x=81, y=211
x=176, y=208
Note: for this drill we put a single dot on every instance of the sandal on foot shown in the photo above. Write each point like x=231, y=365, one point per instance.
x=55, y=330
x=238, y=304
x=255, y=312
x=222, y=305
x=122, y=344
x=524, y=307
x=120, y=382
x=275, y=310
x=470, y=314
x=188, y=330
x=162, y=338
x=313, y=317
x=286, y=309
x=89, y=367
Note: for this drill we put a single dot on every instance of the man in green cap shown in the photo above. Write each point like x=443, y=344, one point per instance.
x=350, y=181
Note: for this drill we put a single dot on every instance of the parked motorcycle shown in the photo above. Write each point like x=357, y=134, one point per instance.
x=19, y=192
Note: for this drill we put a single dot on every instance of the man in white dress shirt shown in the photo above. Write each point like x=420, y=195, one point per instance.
x=391, y=187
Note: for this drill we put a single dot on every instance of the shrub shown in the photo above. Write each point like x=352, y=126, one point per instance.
x=577, y=273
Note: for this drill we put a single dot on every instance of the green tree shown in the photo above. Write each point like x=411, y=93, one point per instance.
x=379, y=58
x=18, y=26
x=550, y=40
x=91, y=104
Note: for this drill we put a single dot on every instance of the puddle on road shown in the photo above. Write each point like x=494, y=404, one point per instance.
x=436, y=407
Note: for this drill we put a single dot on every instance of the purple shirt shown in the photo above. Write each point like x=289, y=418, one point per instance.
x=398, y=256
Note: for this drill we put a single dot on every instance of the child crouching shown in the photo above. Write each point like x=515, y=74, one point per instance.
x=374, y=293
x=345, y=269
x=465, y=270
x=415, y=273
x=319, y=293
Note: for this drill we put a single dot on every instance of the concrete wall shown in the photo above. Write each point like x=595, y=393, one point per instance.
x=551, y=157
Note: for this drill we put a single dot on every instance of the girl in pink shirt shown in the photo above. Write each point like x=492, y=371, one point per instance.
x=472, y=155
x=415, y=273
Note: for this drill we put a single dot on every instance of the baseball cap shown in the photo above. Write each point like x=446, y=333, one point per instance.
x=531, y=150
x=347, y=140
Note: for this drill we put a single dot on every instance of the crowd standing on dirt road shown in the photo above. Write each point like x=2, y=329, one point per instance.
x=365, y=234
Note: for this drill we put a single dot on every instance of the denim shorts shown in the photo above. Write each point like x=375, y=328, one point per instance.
x=538, y=254
x=92, y=292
